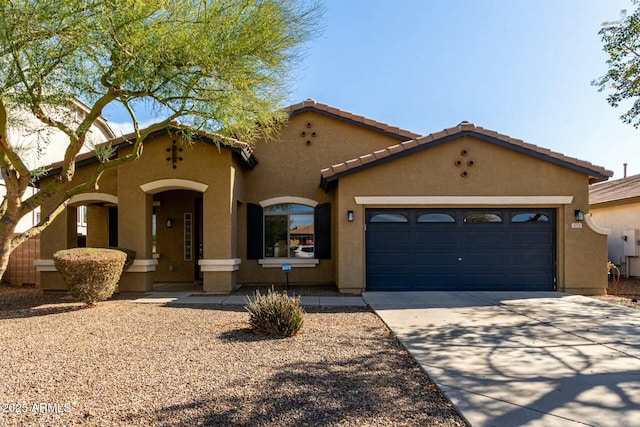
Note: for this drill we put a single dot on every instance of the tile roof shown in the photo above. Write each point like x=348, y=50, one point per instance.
x=612, y=191
x=243, y=149
x=334, y=172
x=312, y=105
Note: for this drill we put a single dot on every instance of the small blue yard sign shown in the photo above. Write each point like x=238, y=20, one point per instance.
x=286, y=267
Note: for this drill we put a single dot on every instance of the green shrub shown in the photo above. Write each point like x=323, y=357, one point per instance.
x=275, y=314
x=131, y=256
x=91, y=274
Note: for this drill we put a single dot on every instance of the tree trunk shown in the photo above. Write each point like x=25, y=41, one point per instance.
x=6, y=236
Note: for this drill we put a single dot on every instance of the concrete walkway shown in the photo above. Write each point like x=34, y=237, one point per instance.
x=523, y=359
x=190, y=298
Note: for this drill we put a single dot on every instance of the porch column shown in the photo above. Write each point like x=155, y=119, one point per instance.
x=97, y=226
x=219, y=263
x=60, y=234
x=135, y=210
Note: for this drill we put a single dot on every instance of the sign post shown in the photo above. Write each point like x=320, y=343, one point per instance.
x=286, y=268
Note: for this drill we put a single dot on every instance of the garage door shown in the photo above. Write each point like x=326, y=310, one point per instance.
x=460, y=249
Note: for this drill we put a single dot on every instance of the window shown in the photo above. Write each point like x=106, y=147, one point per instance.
x=389, y=217
x=482, y=217
x=82, y=216
x=154, y=231
x=436, y=217
x=289, y=231
x=188, y=237
x=530, y=217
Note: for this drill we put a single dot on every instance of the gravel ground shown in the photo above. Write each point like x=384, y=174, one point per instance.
x=130, y=364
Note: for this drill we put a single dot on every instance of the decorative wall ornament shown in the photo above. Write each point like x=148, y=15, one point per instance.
x=174, y=151
x=460, y=163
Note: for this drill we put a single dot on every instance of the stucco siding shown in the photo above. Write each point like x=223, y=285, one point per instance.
x=618, y=218
x=496, y=171
x=289, y=166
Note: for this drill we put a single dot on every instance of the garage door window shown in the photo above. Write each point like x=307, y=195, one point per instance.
x=389, y=217
x=436, y=217
x=482, y=218
x=530, y=217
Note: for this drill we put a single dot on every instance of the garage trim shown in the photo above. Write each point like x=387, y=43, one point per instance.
x=463, y=200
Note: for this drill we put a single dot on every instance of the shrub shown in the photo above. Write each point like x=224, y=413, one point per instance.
x=91, y=274
x=131, y=256
x=275, y=314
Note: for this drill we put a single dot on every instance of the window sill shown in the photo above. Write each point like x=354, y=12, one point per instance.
x=295, y=262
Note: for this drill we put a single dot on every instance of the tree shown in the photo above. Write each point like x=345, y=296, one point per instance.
x=216, y=65
x=622, y=44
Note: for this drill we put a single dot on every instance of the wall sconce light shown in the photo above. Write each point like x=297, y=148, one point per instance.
x=579, y=215
x=350, y=216
x=169, y=223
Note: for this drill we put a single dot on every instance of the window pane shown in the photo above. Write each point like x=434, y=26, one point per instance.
x=301, y=236
x=436, y=217
x=289, y=207
x=482, y=217
x=188, y=237
x=389, y=218
x=289, y=231
x=530, y=217
x=275, y=236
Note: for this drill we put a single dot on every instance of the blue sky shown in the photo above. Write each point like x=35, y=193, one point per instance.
x=520, y=67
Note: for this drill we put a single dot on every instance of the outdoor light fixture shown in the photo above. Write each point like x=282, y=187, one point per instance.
x=170, y=223
x=350, y=216
x=579, y=215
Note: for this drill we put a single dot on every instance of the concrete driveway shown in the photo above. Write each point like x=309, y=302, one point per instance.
x=523, y=358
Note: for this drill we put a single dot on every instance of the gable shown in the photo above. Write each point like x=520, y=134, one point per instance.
x=309, y=141
x=124, y=143
x=311, y=105
x=332, y=174
x=465, y=166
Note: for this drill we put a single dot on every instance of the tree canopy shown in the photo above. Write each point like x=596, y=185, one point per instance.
x=621, y=40
x=216, y=65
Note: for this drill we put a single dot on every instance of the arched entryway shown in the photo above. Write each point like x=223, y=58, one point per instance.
x=96, y=219
x=177, y=233
x=177, y=238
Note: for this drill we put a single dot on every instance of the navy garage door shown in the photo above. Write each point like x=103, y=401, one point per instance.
x=460, y=249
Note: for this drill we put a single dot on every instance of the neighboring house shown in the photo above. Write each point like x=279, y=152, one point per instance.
x=40, y=145
x=616, y=205
x=383, y=209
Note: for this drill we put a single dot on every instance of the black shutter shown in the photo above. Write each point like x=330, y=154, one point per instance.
x=322, y=229
x=255, y=234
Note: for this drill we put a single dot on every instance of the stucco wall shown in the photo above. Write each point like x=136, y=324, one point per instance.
x=98, y=233
x=496, y=171
x=200, y=164
x=618, y=218
x=290, y=166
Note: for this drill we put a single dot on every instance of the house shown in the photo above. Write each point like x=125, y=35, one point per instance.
x=39, y=145
x=616, y=205
x=384, y=208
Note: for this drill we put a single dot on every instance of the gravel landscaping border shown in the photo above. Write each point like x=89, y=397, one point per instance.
x=122, y=363
x=132, y=364
x=626, y=293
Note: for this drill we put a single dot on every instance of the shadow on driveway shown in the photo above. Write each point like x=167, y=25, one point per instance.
x=534, y=359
